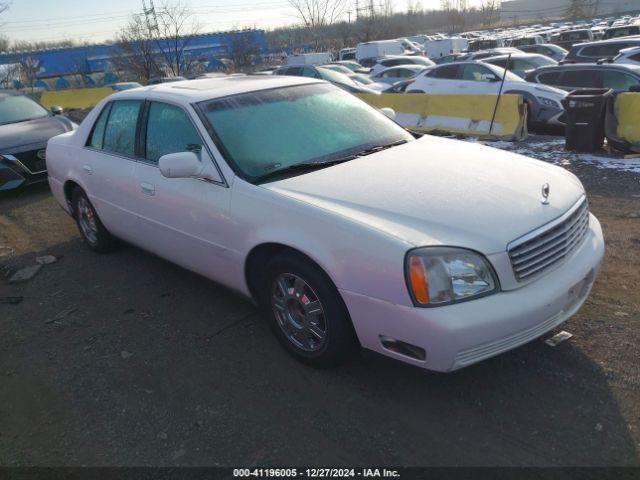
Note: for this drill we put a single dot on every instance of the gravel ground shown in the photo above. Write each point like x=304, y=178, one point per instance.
x=126, y=359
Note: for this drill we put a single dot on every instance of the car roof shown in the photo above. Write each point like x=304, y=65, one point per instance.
x=609, y=40
x=210, y=88
x=579, y=66
x=523, y=55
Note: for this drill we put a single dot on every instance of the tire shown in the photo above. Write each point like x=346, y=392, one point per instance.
x=305, y=312
x=93, y=232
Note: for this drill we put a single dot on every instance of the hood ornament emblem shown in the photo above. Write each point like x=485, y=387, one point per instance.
x=545, y=194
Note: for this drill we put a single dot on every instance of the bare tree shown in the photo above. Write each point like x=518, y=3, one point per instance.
x=489, y=9
x=135, y=51
x=316, y=15
x=176, y=26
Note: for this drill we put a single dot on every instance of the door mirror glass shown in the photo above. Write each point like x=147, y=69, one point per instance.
x=180, y=165
x=56, y=110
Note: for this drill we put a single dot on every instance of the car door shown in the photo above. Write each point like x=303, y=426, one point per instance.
x=108, y=166
x=185, y=220
x=475, y=80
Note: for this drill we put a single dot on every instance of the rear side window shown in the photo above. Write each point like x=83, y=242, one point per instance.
x=618, y=80
x=448, y=71
x=120, y=131
x=549, y=78
x=97, y=135
x=169, y=130
x=581, y=79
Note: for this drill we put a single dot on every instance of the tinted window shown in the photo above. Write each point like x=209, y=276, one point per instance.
x=581, y=79
x=618, y=80
x=169, y=130
x=448, y=71
x=97, y=137
x=309, y=72
x=549, y=78
x=18, y=108
x=475, y=72
x=293, y=71
x=120, y=132
x=635, y=58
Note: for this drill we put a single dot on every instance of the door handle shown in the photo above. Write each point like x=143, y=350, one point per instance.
x=88, y=170
x=148, y=188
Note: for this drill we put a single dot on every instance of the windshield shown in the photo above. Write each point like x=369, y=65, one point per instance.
x=18, y=108
x=266, y=131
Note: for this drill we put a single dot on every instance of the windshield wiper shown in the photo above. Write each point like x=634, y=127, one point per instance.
x=309, y=166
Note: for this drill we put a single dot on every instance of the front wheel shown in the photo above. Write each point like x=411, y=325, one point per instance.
x=91, y=228
x=306, y=312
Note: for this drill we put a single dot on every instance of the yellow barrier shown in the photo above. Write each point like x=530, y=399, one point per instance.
x=627, y=109
x=460, y=114
x=75, y=97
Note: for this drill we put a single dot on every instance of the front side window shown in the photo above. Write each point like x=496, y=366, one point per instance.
x=265, y=131
x=120, y=131
x=169, y=130
x=618, y=80
x=549, y=78
x=475, y=73
x=19, y=108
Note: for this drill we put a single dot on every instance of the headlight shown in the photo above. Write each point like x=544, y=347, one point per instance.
x=548, y=102
x=443, y=275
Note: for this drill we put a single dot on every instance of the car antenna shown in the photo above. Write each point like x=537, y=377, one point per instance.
x=495, y=109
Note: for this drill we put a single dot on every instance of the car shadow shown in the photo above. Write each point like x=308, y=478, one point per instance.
x=127, y=359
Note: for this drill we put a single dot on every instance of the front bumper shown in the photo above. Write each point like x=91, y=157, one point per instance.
x=550, y=116
x=22, y=168
x=459, y=335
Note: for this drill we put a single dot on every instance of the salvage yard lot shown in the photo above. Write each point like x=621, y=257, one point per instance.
x=126, y=359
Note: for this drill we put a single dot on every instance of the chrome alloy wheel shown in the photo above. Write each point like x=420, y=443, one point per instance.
x=87, y=221
x=299, y=312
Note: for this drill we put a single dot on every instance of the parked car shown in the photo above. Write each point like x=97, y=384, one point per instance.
x=520, y=63
x=473, y=56
x=386, y=62
x=369, y=51
x=630, y=56
x=359, y=78
x=397, y=74
x=622, y=31
x=476, y=78
x=548, y=49
x=25, y=127
x=337, y=78
x=309, y=58
x=352, y=65
x=342, y=226
x=593, y=51
x=485, y=44
x=571, y=37
x=588, y=75
x=120, y=86
x=526, y=40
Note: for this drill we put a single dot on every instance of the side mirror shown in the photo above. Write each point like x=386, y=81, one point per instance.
x=56, y=110
x=389, y=112
x=180, y=165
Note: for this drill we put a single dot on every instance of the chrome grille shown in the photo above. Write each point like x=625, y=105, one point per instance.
x=540, y=250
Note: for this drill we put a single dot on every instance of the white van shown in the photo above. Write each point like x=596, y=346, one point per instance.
x=347, y=54
x=378, y=49
x=441, y=48
x=309, y=59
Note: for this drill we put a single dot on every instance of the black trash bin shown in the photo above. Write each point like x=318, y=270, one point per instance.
x=585, y=112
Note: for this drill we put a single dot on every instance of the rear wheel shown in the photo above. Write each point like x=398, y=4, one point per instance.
x=91, y=228
x=306, y=312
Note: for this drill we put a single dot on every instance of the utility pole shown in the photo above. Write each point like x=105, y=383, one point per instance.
x=150, y=17
x=349, y=15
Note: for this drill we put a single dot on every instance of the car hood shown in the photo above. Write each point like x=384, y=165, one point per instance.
x=435, y=191
x=16, y=135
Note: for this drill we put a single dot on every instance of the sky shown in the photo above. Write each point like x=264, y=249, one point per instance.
x=91, y=21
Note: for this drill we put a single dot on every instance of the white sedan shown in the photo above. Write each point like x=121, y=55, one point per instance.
x=343, y=227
